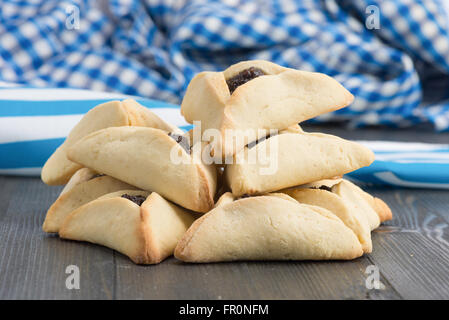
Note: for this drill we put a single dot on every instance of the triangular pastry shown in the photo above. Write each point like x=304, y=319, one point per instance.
x=357, y=209
x=141, y=116
x=293, y=158
x=382, y=209
x=376, y=211
x=58, y=169
x=322, y=196
x=144, y=227
x=152, y=160
x=259, y=95
x=269, y=227
x=84, y=186
x=378, y=205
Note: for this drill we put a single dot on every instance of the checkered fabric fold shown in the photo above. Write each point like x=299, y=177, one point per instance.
x=398, y=69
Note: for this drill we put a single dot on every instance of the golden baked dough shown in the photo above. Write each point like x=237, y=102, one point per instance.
x=147, y=234
x=84, y=186
x=269, y=227
x=141, y=157
x=58, y=169
x=358, y=210
x=293, y=159
x=278, y=99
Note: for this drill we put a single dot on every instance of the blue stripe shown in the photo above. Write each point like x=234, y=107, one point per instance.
x=27, y=154
x=413, y=172
x=33, y=153
x=20, y=108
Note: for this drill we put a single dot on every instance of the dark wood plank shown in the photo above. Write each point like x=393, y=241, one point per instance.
x=33, y=264
x=8, y=186
x=247, y=280
x=412, y=251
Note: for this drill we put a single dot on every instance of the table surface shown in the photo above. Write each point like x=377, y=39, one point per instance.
x=411, y=253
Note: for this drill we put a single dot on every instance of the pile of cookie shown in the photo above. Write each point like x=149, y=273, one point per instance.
x=143, y=187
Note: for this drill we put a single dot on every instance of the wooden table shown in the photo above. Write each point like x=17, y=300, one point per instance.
x=411, y=253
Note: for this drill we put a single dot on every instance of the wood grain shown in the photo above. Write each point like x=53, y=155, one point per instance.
x=411, y=252
x=247, y=280
x=32, y=263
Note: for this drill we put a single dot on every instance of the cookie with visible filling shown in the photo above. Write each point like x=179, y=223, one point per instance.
x=58, y=169
x=258, y=94
x=84, y=186
x=139, y=224
x=269, y=227
x=150, y=159
x=292, y=158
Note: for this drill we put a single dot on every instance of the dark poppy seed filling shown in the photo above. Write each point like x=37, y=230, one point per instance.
x=323, y=187
x=243, y=77
x=136, y=199
x=254, y=143
x=181, y=140
x=326, y=188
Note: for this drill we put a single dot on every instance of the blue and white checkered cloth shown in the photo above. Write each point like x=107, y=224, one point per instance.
x=398, y=72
